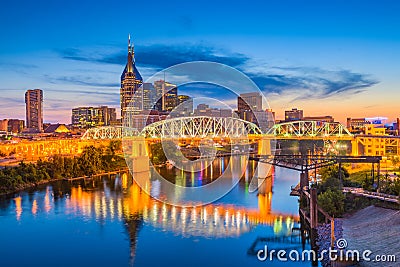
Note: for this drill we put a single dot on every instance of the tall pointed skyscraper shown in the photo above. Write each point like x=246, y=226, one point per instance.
x=131, y=92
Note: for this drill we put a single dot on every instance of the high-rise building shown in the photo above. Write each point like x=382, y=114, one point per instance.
x=250, y=102
x=149, y=95
x=86, y=117
x=34, y=110
x=294, y=115
x=166, y=95
x=250, y=107
x=131, y=93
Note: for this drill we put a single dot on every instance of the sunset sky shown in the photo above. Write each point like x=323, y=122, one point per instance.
x=339, y=58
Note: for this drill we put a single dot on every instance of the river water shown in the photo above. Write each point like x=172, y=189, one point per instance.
x=110, y=221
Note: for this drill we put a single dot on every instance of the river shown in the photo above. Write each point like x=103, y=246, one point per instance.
x=110, y=221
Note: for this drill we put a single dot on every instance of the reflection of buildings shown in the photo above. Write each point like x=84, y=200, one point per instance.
x=118, y=199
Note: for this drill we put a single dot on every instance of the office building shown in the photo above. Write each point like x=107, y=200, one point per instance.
x=149, y=96
x=250, y=102
x=357, y=125
x=131, y=93
x=329, y=119
x=166, y=95
x=16, y=125
x=294, y=115
x=87, y=117
x=34, y=110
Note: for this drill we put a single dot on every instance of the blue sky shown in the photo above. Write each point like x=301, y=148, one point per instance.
x=337, y=58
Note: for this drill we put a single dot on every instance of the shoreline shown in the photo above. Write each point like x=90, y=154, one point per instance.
x=43, y=182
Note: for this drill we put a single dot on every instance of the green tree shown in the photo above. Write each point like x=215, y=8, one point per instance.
x=332, y=201
x=90, y=161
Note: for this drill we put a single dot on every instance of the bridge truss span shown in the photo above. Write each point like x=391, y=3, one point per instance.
x=109, y=132
x=200, y=127
x=298, y=129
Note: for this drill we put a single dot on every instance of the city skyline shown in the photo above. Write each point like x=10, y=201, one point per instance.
x=343, y=65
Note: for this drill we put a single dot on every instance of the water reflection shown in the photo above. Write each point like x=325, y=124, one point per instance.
x=115, y=199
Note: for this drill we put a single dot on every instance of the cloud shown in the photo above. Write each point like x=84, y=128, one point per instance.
x=312, y=83
x=161, y=56
x=303, y=81
x=81, y=80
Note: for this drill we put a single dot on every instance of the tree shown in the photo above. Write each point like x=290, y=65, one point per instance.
x=332, y=201
x=90, y=161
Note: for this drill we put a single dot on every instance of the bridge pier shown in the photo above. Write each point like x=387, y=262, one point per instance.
x=138, y=154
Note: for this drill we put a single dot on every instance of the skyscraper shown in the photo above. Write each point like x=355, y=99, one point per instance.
x=149, y=96
x=34, y=110
x=248, y=105
x=250, y=102
x=131, y=93
x=166, y=95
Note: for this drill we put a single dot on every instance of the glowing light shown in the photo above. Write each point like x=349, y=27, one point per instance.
x=18, y=207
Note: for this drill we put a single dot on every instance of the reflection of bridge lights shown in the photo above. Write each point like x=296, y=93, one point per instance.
x=173, y=215
x=154, y=212
x=34, y=207
x=119, y=207
x=18, y=207
x=164, y=213
x=204, y=215
x=194, y=215
x=183, y=215
x=238, y=218
x=216, y=216
x=111, y=208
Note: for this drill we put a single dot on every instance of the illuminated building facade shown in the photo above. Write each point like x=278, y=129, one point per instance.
x=16, y=125
x=328, y=119
x=166, y=95
x=149, y=96
x=86, y=117
x=250, y=102
x=131, y=93
x=294, y=115
x=34, y=110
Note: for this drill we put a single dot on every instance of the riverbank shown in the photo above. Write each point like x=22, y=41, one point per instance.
x=23, y=187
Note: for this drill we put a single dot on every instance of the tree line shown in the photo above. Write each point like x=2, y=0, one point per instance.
x=92, y=160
